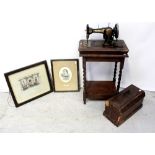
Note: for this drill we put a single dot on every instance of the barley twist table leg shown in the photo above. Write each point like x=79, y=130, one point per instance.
x=120, y=74
x=84, y=80
x=115, y=71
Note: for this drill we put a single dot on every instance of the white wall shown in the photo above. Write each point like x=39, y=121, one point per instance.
x=32, y=31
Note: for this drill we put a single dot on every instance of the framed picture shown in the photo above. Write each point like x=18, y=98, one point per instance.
x=65, y=74
x=29, y=83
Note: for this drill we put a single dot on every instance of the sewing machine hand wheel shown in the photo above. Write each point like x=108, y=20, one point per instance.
x=87, y=31
x=116, y=31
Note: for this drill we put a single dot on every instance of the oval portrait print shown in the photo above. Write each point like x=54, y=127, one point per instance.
x=65, y=74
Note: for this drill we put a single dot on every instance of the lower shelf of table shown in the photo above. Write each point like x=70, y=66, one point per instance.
x=100, y=90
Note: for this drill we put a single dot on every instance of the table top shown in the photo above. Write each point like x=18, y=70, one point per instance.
x=96, y=47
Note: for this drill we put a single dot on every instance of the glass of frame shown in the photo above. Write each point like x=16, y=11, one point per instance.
x=29, y=83
x=65, y=74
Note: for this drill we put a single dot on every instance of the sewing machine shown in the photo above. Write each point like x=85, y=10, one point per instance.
x=108, y=33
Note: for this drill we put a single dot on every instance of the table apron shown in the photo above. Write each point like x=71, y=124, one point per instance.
x=106, y=59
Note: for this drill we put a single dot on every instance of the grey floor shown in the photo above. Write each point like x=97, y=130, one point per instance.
x=65, y=112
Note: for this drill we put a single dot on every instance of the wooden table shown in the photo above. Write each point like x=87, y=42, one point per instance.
x=94, y=51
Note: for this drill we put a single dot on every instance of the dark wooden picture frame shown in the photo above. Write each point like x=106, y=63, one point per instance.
x=65, y=61
x=45, y=71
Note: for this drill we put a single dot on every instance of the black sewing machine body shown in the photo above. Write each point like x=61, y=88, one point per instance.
x=109, y=34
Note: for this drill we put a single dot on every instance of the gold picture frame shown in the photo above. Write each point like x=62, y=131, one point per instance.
x=65, y=73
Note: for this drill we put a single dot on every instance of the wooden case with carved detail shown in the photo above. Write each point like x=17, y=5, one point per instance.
x=123, y=105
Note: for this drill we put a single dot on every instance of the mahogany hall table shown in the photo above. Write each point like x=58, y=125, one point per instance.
x=94, y=51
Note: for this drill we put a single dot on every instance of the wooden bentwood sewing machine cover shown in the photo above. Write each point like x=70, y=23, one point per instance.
x=94, y=51
x=123, y=105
